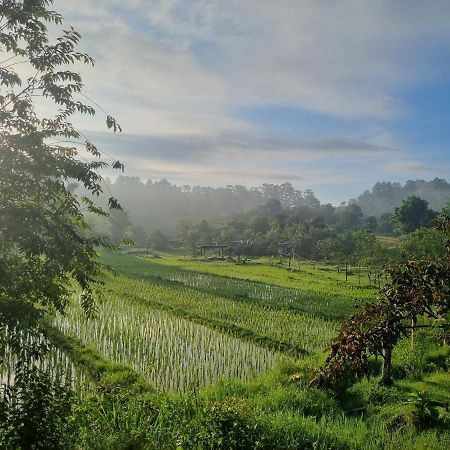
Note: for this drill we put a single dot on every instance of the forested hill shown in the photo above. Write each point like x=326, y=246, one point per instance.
x=385, y=196
x=161, y=205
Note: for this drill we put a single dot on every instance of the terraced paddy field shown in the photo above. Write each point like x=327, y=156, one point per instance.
x=183, y=329
x=199, y=354
x=316, y=289
x=321, y=278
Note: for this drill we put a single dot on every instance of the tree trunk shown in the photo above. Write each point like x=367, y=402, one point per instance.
x=386, y=367
x=413, y=324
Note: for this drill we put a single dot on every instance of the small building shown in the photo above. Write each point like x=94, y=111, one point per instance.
x=222, y=250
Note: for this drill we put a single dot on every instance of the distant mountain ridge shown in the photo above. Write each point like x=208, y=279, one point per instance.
x=161, y=205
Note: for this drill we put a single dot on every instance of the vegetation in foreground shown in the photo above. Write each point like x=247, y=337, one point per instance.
x=276, y=410
x=124, y=405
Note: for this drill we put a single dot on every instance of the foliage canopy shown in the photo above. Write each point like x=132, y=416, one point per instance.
x=415, y=289
x=42, y=243
x=413, y=213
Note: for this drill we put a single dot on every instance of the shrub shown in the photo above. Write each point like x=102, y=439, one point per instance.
x=36, y=413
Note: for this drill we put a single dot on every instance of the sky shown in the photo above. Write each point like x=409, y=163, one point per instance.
x=329, y=95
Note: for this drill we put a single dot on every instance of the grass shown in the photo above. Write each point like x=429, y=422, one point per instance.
x=277, y=410
x=322, y=298
x=97, y=369
x=256, y=322
x=170, y=320
x=55, y=362
x=304, y=275
x=171, y=352
x=192, y=337
x=388, y=241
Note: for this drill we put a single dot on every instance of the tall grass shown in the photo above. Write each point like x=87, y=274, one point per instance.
x=173, y=353
x=288, y=328
x=54, y=362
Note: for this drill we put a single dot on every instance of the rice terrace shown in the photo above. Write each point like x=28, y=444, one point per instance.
x=249, y=333
x=200, y=327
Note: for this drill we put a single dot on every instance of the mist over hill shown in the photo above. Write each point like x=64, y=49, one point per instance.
x=161, y=205
x=385, y=196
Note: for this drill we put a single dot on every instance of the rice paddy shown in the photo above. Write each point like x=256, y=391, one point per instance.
x=172, y=353
x=163, y=327
x=54, y=362
x=183, y=329
x=319, y=291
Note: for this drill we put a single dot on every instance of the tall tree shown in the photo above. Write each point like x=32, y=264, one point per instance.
x=120, y=222
x=415, y=289
x=42, y=243
x=139, y=236
x=158, y=240
x=351, y=216
x=413, y=213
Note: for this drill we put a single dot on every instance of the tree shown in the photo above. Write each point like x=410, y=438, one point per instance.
x=413, y=213
x=278, y=222
x=351, y=216
x=158, y=241
x=340, y=248
x=185, y=235
x=371, y=223
x=306, y=240
x=259, y=224
x=415, y=289
x=385, y=225
x=204, y=233
x=375, y=256
x=43, y=246
x=272, y=207
x=424, y=243
x=139, y=236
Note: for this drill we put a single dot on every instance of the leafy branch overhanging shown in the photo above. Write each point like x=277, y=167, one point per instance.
x=415, y=289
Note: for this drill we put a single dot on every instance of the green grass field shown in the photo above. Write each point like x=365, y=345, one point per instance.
x=319, y=278
x=318, y=290
x=388, y=241
x=222, y=353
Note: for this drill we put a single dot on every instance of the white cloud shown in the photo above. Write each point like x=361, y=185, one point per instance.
x=343, y=58
x=228, y=172
x=178, y=70
x=414, y=168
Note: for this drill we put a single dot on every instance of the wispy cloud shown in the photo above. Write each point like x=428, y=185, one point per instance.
x=243, y=145
x=415, y=167
x=175, y=73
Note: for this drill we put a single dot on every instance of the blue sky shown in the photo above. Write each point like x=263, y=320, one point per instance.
x=329, y=95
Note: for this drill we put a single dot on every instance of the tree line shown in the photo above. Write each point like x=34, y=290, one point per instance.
x=309, y=230
x=159, y=215
x=385, y=196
